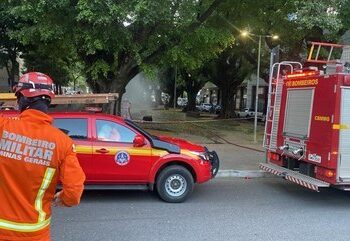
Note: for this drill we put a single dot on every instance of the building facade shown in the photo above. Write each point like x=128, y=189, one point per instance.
x=246, y=94
x=5, y=85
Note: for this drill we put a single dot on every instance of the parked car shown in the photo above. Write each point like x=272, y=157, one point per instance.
x=205, y=107
x=182, y=102
x=115, y=153
x=216, y=109
x=246, y=113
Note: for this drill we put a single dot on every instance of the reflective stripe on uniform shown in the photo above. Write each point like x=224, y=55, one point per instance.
x=42, y=223
x=39, y=198
x=24, y=227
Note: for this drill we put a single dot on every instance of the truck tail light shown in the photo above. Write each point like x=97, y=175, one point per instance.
x=329, y=173
x=325, y=173
x=273, y=156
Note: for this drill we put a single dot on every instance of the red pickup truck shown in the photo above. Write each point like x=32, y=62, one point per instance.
x=115, y=153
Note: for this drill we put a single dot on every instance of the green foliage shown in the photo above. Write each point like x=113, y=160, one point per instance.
x=98, y=67
x=199, y=47
x=150, y=71
x=113, y=39
x=318, y=13
x=109, y=41
x=44, y=28
x=344, y=13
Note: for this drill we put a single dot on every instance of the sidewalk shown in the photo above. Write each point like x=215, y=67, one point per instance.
x=237, y=161
x=239, y=155
x=234, y=160
x=233, y=157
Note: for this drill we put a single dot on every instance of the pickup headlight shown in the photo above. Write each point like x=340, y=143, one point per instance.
x=203, y=155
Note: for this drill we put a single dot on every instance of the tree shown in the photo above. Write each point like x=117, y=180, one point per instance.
x=9, y=48
x=114, y=40
x=57, y=58
x=59, y=69
x=193, y=82
x=228, y=72
x=291, y=20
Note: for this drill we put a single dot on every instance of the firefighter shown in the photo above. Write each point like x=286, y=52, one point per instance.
x=34, y=156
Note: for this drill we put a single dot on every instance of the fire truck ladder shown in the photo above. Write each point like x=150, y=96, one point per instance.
x=273, y=107
x=322, y=47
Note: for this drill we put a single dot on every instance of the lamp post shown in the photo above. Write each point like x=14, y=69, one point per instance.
x=275, y=37
x=175, y=86
x=257, y=91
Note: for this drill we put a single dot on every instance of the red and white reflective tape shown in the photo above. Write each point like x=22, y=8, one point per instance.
x=302, y=183
x=290, y=178
x=270, y=170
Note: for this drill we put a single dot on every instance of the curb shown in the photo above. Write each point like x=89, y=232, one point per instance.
x=243, y=173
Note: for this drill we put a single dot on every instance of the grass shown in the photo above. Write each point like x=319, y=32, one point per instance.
x=170, y=122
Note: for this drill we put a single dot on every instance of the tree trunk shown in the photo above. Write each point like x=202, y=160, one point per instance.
x=191, y=100
x=227, y=110
x=228, y=87
x=193, y=83
x=12, y=69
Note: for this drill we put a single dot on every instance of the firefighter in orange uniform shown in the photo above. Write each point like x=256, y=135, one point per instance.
x=34, y=156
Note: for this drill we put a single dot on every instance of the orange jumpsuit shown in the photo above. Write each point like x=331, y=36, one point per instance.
x=34, y=156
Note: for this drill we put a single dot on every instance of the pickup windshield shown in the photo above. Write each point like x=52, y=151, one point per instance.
x=138, y=128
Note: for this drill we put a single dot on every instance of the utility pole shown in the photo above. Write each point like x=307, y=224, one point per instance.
x=175, y=86
x=257, y=91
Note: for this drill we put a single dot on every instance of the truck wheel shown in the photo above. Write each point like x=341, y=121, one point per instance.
x=174, y=184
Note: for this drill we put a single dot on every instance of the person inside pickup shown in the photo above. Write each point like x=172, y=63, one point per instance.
x=108, y=133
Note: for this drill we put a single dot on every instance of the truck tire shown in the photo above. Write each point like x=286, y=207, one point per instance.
x=174, y=184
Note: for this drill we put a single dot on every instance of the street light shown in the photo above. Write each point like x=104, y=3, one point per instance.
x=245, y=33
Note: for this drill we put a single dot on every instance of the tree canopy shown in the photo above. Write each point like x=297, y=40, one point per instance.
x=109, y=42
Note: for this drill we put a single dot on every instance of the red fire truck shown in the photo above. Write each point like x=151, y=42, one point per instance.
x=307, y=131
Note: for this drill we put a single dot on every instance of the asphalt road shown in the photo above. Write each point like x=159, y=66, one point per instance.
x=223, y=209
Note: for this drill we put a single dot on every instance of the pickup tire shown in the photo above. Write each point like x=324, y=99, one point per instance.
x=174, y=184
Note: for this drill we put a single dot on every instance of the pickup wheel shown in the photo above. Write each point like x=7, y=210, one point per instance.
x=174, y=184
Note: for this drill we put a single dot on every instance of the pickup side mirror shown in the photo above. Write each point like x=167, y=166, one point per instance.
x=139, y=141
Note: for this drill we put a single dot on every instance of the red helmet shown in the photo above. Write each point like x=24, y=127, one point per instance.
x=34, y=84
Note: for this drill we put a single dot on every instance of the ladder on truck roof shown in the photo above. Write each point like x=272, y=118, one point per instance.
x=321, y=49
x=69, y=99
x=274, y=102
x=9, y=99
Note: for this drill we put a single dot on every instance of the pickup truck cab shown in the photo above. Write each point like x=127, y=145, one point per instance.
x=115, y=153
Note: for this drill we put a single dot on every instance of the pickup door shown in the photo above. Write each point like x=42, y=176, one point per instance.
x=115, y=158
x=77, y=129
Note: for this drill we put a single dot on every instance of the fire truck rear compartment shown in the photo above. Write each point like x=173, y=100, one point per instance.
x=295, y=135
x=298, y=113
x=344, y=137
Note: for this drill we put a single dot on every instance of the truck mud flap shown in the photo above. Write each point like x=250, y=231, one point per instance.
x=293, y=176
